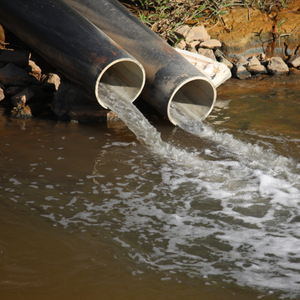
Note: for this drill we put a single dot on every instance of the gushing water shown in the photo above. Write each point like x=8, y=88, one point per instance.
x=248, y=233
x=144, y=131
x=217, y=212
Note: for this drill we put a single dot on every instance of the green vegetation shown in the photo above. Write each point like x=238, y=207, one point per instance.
x=164, y=16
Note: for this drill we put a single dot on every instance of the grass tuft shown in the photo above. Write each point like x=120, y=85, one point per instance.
x=164, y=16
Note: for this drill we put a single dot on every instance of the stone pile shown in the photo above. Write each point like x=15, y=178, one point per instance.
x=197, y=40
x=21, y=80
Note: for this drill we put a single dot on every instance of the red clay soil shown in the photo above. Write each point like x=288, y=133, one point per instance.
x=248, y=32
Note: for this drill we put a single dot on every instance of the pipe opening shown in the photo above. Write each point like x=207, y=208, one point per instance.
x=192, y=101
x=121, y=80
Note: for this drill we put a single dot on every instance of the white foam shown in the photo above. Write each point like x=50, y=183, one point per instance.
x=49, y=198
x=234, y=216
x=15, y=181
x=49, y=186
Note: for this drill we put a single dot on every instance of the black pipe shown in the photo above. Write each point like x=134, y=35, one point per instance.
x=172, y=83
x=76, y=47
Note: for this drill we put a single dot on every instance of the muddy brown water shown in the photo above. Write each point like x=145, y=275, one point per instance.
x=88, y=212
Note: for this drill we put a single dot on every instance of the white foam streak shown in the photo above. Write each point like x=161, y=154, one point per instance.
x=206, y=216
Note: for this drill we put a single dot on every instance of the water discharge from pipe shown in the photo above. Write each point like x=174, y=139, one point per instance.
x=140, y=126
x=247, y=187
x=247, y=153
x=250, y=156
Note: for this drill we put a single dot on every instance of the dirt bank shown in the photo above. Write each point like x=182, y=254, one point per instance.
x=247, y=29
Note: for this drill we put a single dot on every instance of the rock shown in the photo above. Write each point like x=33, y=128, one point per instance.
x=2, y=96
x=207, y=52
x=240, y=72
x=192, y=46
x=34, y=69
x=257, y=69
x=242, y=61
x=197, y=33
x=181, y=45
x=211, y=44
x=182, y=31
x=253, y=61
x=294, y=61
x=13, y=75
x=222, y=59
x=225, y=61
x=52, y=82
x=219, y=53
x=22, y=97
x=276, y=65
x=23, y=112
x=18, y=58
x=191, y=50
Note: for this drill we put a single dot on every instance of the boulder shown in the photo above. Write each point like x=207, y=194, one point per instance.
x=257, y=69
x=211, y=44
x=52, y=82
x=253, y=61
x=182, y=31
x=240, y=72
x=192, y=46
x=197, y=33
x=181, y=45
x=13, y=75
x=276, y=65
x=294, y=61
x=222, y=59
x=207, y=52
x=242, y=61
x=34, y=69
x=226, y=62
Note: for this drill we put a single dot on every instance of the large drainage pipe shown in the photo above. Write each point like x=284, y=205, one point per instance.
x=75, y=46
x=172, y=83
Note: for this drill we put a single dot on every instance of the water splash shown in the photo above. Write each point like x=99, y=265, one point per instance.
x=243, y=235
x=144, y=131
x=226, y=218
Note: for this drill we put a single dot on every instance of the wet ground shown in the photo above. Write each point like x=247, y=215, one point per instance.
x=87, y=212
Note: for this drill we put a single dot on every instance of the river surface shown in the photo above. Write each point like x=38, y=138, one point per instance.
x=88, y=211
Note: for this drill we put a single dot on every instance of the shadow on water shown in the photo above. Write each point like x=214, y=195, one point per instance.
x=88, y=212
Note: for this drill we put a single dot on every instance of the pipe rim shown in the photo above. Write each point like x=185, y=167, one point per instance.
x=196, y=117
x=139, y=87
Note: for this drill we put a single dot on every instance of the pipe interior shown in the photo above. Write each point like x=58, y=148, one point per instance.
x=122, y=80
x=193, y=101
